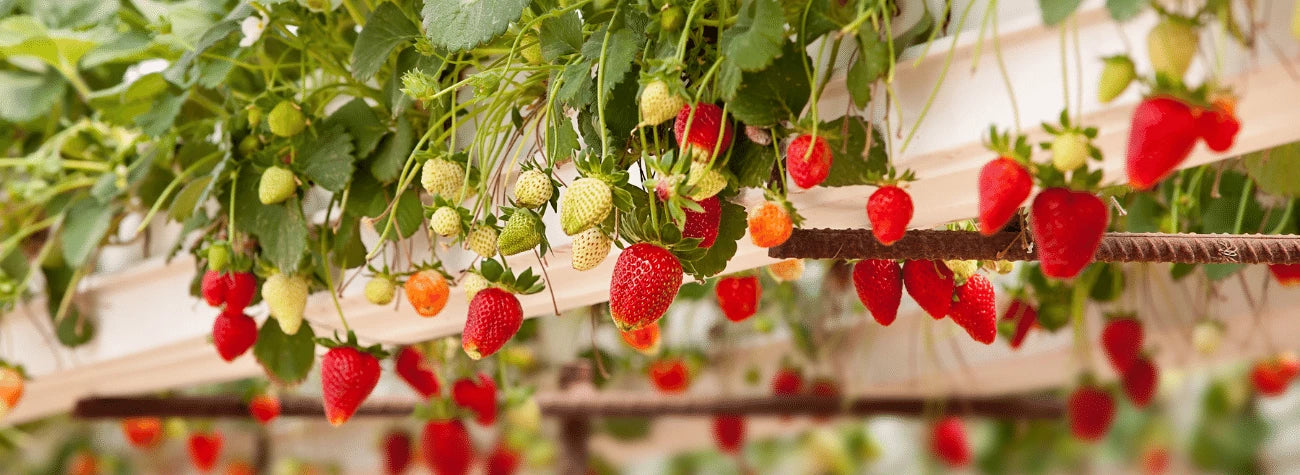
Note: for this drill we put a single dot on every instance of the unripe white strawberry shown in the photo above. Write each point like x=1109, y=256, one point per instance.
x=585, y=203
x=704, y=182
x=472, y=283
x=532, y=189
x=1207, y=336
x=590, y=248
x=483, y=241
x=442, y=178
x=277, y=184
x=658, y=104
x=380, y=290
x=286, y=120
x=286, y=297
x=445, y=221
x=1069, y=151
x=788, y=270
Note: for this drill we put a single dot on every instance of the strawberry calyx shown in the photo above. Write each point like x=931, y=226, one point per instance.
x=435, y=266
x=502, y=277
x=891, y=177
x=1006, y=145
x=440, y=408
x=376, y=350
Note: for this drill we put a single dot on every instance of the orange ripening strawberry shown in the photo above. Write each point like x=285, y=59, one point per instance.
x=708, y=131
x=1090, y=411
x=1004, y=184
x=427, y=291
x=397, y=452
x=890, y=210
x=239, y=290
x=670, y=375
x=204, y=449
x=347, y=376
x=233, y=333
x=1218, y=126
x=478, y=395
x=264, y=408
x=494, y=317
x=214, y=286
x=1067, y=227
x=738, y=296
x=1025, y=317
x=502, y=461
x=809, y=160
x=143, y=432
x=645, y=282
x=704, y=224
x=644, y=339
x=769, y=224
x=83, y=462
x=931, y=284
x=1121, y=339
x=411, y=366
x=446, y=447
x=1160, y=137
x=12, y=383
x=729, y=432
x=1286, y=274
x=239, y=468
x=879, y=283
x=787, y=382
x=975, y=309
x=1139, y=382
x=1272, y=377
x=1154, y=460
x=949, y=444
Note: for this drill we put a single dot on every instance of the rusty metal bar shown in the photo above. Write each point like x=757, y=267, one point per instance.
x=219, y=407
x=629, y=404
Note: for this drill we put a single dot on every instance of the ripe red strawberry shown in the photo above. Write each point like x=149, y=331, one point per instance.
x=1139, y=382
x=809, y=160
x=729, y=432
x=410, y=366
x=233, y=333
x=645, y=282
x=1067, y=227
x=239, y=291
x=879, y=283
x=787, y=382
x=1218, y=126
x=502, y=461
x=347, y=375
x=931, y=285
x=397, y=452
x=1091, y=412
x=1121, y=339
x=214, y=286
x=704, y=225
x=670, y=375
x=446, y=447
x=479, y=396
x=264, y=408
x=1161, y=135
x=205, y=449
x=707, y=129
x=1272, y=377
x=494, y=317
x=1025, y=317
x=1004, y=184
x=143, y=432
x=890, y=210
x=949, y=444
x=976, y=309
x=1285, y=274
x=738, y=296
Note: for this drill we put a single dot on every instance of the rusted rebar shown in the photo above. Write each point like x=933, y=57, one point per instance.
x=629, y=404
x=220, y=407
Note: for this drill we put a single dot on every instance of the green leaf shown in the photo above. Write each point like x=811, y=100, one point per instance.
x=23, y=35
x=777, y=93
x=361, y=122
x=327, y=159
x=386, y=27
x=730, y=229
x=128, y=47
x=751, y=163
x=280, y=228
x=84, y=225
x=560, y=35
x=757, y=36
x=186, y=200
x=162, y=115
x=577, y=88
x=853, y=163
x=1276, y=171
x=620, y=53
x=179, y=72
x=286, y=358
x=409, y=214
x=27, y=96
x=1056, y=11
x=366, y=197
x=1123, y=10
x=387, y=164
x=458, y=25
x=1220, y=215
x=71, y=13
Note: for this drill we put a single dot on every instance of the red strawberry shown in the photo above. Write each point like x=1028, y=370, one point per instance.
x=1025, y=317
x=214, y=287
x=890, y=210
x=1004, y=184
x=879, y=283
x=1161, y=135
x=930, y=283
x=729, y=432
x=205, y=449
x=264, y=408
x=1121, y=338
x=1285, y=274
x=143, y=432
x=446, y=447
x=494, y=317
x=949, y=444
x=644, y=339
x=645, y=282
x=1067, y=227
x=976, y=309
x=233, y=333
x=738, y=296
x=397, y=452
x=1273, y=376
x=240, y=290
x=347, y=375
x=1139, y=382
x=787, y=382
x=1218, y=127
x=1090, y=411
x=410, y=366
x=704, y=225
x=479, y=396
x=502, y=461
x=705, y=128
x=809, y=160
x=670, y=375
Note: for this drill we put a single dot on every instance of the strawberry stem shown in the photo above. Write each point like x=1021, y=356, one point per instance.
x=943, y=73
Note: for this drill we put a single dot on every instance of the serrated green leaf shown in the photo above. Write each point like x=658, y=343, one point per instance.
x=730, y=229
x=387, y=164
x=287, y=359
x=729, y=76
x=560, y=35
x=577, y=87
x=1276, y=171
x=1056, y=11
x=777, y=93
x=409, y=214
x=163, y=114
x=85, y=224
x=361, y=122
x=756, y=38
x=280, y=228
x=751, y=163
x=27, y=96
x=25, y=36
x=458, y=25
x=179, y=72
x=183, y=205
x=853, y=164
x=326, y=159
x=366, y=197
x=386, y=27
x=619, y=52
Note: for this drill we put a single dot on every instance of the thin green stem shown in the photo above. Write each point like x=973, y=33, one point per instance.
x=943, y=73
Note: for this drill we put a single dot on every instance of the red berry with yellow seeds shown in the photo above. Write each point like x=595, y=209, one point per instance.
x=233, y=333
x=645, y=282
x=949, y=443
x=1067, y=227
x=890, y=210
x=670, y=375
x=703, y=225
x=347, y=375
x=1090, y=411
x=1140, y=381
x=205, y=449
x=975, y=309
x=879, y=284
x=264, y=408
x=494, y=317
x=447, y=447
x=708, y=131
x=1004, y=184
x=1121, y=340
x=1161, y=135
x=411, y=366
x=644, y=339
x=729, y=432
x=809, y=160
x=143, y=432
x=931, y=284
x=738, y=296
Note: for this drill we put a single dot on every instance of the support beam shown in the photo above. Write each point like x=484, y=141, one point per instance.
x=575, y=428
x=205, y=407
x=616, y=404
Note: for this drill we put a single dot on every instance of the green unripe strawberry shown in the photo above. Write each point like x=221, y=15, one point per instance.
x=442, y=178
x=590, y=248
x=219, y=257
x=521, y=233
x=380, y=290
x=1069, y=150
x=1171, y=45
x=672, y=18
x=704, y=182
x=472, y=283
x=962, y=270
x=532, y=50
x=277, y=184
x=248, y=145
x=483, y=241
x=286, y=120
x=658, y=104
x=532, y=189
x=1115, y=78
x=585, y=203
x=254, y=116
x=286, y=298
x=445, y=221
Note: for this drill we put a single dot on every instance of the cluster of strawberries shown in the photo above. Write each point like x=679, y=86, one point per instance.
x=233, y=332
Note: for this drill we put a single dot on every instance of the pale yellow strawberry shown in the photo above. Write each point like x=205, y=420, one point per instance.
x=472, y=283
x=442, y=178
x=658, y=104
x=590, y=248
x=532, y=189
x=483, y=241
x=585, y=203
x=445, y=221
x=788, y=270
x=286, y=297
x=380, y=290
